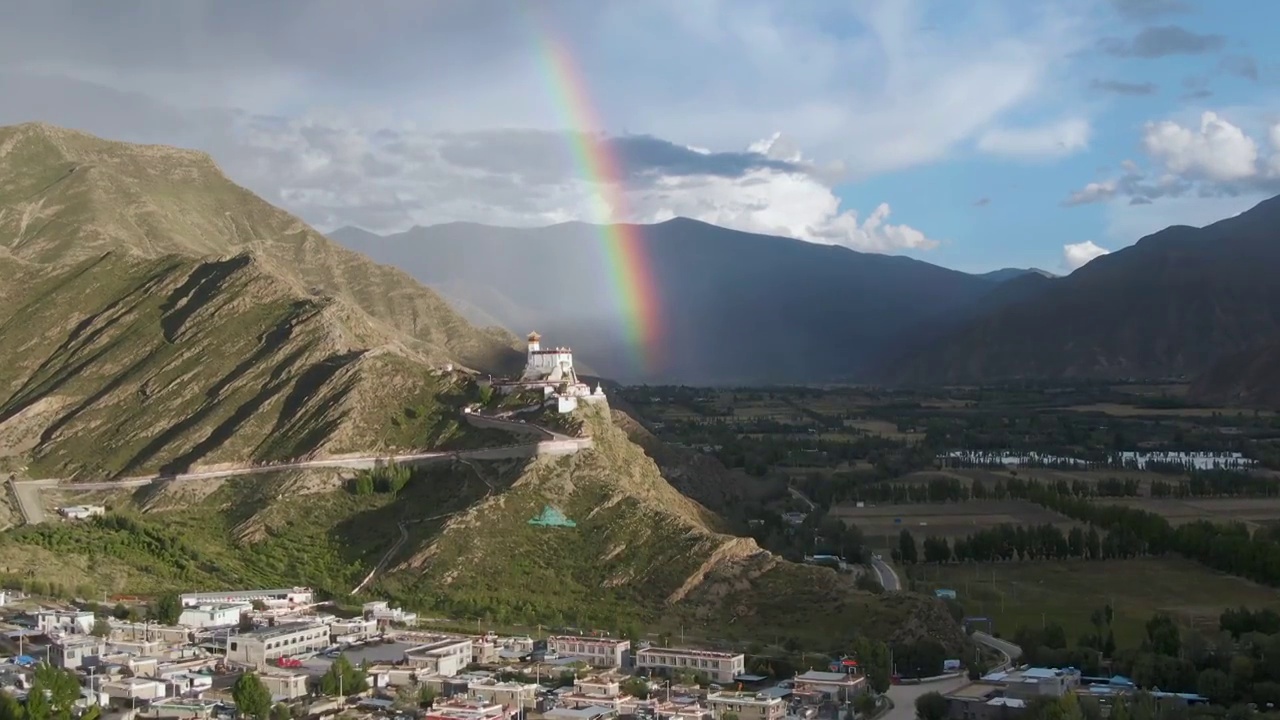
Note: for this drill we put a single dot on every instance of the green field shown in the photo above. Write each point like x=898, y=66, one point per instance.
x=1067, y=592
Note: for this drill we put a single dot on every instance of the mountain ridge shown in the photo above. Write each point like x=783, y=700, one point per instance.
x=826, y=310
x=1169, y=305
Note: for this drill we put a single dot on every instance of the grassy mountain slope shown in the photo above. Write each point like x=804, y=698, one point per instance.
x=1170, y=305
x=67, y=195
x=157, y=315
x=641, y=553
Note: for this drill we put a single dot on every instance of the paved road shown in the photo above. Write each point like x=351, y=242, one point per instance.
x=1009, y=649
x=802, y=498
x=888, y=578
x=28, y=491
x=29, y=504
x=904, y=696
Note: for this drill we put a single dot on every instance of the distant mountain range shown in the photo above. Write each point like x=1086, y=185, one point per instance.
x=733, y=306
x=1173, y=304
x=1004, y=274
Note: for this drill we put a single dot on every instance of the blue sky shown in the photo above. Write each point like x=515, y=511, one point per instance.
x=975, y=134
x=1023, y=221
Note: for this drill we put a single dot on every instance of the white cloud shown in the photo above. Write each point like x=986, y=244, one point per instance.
x=858, y=89
x=1217, y=151
x=1076, y=255
x=1047, y=141
x=1093, y=192
x=1217, y=158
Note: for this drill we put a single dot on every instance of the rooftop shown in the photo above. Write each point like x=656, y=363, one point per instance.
x=687, y=652
x=818, y=676
x=267, y=633
x=744, y=697
x=436, y=646
x=588, y=639
x=974, y=690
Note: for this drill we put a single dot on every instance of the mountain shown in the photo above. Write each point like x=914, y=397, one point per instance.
x=157, y=317
x=1005, y=274
x=1250, y=378
x=729, y=306
x=1170, y=305
x=455, y=541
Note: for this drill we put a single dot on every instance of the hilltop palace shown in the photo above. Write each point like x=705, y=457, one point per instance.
x=551, y=371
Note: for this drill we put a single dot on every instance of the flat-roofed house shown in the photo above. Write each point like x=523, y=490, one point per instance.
x=746, y=705
x=256, y=647
x=595, y=651
x=721, y=667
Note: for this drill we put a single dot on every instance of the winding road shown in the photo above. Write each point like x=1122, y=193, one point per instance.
x=888, y=577
x=28, y=492
x=1011, y=652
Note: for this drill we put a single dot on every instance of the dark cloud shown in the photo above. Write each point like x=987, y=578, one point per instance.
x=1142, y=10
x=982, y=202
x=1120, y=87
x=545, y=156
x=1161, y=41
x=1141, y=189
x=1239, y=65
x=1200, y=94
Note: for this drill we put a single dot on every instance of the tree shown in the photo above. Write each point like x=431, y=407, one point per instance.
x=57, y=689
x=931, y=706
x=280, y=711
x=636, y=687
x=907, y=547
x=166, y=609
x=343, y=679
x=252, y=698
x=10, y=708
x=873, y=659
x=101, y=627
x=426, y=696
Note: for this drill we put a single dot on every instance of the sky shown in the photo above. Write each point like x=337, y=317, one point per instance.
x=974, y=134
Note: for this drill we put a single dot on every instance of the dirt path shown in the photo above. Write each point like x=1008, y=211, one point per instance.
x=27, y=492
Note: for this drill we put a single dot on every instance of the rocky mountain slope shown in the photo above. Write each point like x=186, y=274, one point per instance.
x=1250, y=378
x=730, y=306
x=1170, y=305
x=157, y=315
x=639, y=553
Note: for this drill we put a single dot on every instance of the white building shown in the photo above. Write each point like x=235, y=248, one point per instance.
x=256, y=647
x=283, y=684
x=211, y=615
x=353, y=630
x=65, y=621
x=551, y=370
x=76, y=651
x=746, y=705
x=381, y=612
x=279, y=596
x=470, y=710
x=721, y=667
x=595, y=651
x=445, y=657
x=82, y=512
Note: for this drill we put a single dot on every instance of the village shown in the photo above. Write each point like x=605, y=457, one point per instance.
x=382, y=664
x=304, y=654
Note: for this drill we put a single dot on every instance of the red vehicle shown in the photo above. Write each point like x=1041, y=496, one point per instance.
x=285, y=662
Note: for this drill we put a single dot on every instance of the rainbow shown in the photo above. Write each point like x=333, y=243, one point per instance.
x=635, y=296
